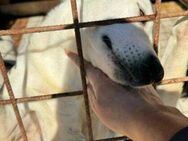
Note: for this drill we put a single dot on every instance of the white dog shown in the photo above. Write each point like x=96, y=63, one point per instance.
x=122, y=51
x=175, y=62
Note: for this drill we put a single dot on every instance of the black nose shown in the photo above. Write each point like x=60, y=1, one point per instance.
x=148, y=71
x=153, y=70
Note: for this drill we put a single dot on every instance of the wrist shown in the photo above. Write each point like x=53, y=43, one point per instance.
x=157, y=125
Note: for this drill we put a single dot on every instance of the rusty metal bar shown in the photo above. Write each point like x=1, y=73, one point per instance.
x=77, y=93
x=90, y=24
x=82, y=68
x=174, y=80
x=156, y=26
x=41, y=97
x=12, y=98
x=124, y=138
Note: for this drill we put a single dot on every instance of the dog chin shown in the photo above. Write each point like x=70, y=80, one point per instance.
x=131, y=83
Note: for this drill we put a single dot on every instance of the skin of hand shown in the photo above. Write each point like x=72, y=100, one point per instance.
x=135, y=112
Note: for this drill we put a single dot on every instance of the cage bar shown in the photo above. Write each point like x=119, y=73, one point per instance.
x=156, y=26
x=76, y=93
x=116, y=139
x=82, y=68
x=41, y=97
x=12, y=98
x=90, y=24
x=76, y=25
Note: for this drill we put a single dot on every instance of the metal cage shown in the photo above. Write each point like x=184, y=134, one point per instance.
x=76, y=25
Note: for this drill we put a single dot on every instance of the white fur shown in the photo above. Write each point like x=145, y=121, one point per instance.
x=6, y=48
x=43, y=68
x=175, y=62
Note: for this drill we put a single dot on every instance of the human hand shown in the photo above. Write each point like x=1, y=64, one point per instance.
x=126, y=110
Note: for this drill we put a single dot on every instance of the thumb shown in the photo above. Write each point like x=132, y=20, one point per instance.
x=93, y=74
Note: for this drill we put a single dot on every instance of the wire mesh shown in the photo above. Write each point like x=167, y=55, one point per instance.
x=156, y=25
x=12, y=99
x=82, y=69
x=76, y=25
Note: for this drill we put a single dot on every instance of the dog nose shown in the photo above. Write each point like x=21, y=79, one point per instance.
x=148, y=71
x=153, y=69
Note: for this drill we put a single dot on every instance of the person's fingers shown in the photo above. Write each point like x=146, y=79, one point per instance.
x=92, y=99
x=90, y=90
x=93, y=74
x=73, y=57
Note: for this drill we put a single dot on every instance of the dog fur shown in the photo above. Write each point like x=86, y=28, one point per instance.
x=42, y=68
x=175, y=62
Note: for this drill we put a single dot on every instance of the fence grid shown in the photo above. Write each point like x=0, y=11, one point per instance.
x=76, y=25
